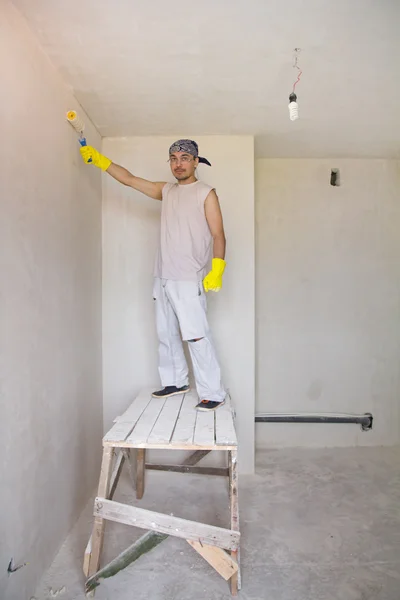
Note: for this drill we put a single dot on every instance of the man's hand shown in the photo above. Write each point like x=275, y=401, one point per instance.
x=88, y=152
x=213, y=281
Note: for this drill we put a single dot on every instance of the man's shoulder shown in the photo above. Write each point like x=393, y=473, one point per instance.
x=205, y=186
x=203, y=192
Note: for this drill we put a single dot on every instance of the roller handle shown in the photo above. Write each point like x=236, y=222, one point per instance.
x=82, y=142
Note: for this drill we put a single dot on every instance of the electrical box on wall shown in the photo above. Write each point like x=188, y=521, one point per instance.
x=335, y=177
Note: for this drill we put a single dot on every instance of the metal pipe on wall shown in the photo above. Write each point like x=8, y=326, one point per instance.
x=364, y=420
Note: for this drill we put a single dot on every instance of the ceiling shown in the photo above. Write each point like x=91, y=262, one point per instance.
x=166, y=67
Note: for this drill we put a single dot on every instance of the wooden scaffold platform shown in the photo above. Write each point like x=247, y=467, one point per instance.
x=168, y=424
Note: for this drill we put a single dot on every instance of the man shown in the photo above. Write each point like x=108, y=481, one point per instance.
x=191, y=226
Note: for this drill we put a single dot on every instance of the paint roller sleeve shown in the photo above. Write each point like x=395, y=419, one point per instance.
x=75, y=121
x=79, y=126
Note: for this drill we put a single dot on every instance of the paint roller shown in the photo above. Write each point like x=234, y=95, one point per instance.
x=78, y=125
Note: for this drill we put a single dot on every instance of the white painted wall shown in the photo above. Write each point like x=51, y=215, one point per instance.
x=328, y=298
x=130, y=236
x=50, y=312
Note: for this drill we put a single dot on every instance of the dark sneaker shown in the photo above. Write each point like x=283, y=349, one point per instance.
x=208, y=405
x=171, y=390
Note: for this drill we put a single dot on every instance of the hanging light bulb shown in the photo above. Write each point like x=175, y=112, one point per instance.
x=293, y=107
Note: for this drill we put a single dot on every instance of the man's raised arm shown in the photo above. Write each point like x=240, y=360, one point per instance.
x=153, y=189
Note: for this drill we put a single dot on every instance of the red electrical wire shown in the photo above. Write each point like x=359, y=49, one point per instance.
x=295, y=66
x=298, y=78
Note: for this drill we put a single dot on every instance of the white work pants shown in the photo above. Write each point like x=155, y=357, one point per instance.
x=181, y=308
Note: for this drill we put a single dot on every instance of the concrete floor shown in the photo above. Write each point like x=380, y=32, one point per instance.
x=316, y=525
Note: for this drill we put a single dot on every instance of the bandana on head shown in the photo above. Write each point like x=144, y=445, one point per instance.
x=190, y=147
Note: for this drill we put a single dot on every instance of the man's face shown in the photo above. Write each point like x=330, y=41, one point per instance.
x=183, y=165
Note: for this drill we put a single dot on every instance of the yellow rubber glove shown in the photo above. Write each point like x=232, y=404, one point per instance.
x=98, y=159
x=213, y=281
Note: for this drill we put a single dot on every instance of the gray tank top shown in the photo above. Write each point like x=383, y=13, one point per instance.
x=186, y=242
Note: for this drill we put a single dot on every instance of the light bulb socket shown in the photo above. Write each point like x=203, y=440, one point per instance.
x=292, y=97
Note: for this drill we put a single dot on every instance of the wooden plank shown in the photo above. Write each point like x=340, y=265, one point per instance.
x=233, y=497
x=195, y=457
x=119, y=461
x=131, y=463
x=170, y=446
x=189, y=469
x=165, y=424
x=98, y=526
x=204, y=432
x=182, y=528
x=86, y=557
x=147, y=542
x=118, y=433
x=140, y=472
x=138, y=404
x=186, y=421
x=116, y=472
x=239, y=573
x=126, y=422
x=225, y=434
x=220, y=560
x=146, y=422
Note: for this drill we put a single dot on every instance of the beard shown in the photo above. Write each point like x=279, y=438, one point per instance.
x=182, y=176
